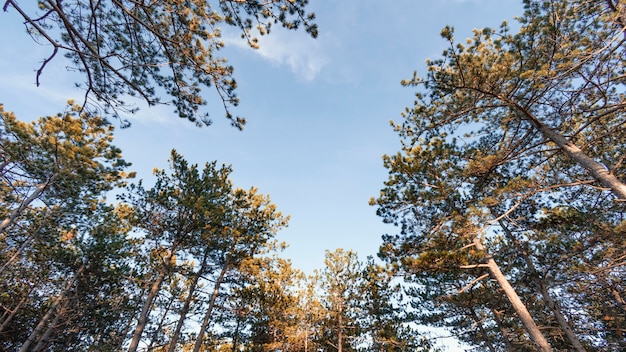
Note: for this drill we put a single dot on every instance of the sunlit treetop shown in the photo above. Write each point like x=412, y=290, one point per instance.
x=150, y=49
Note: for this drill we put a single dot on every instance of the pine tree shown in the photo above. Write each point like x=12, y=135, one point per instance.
x=505, y=128
x=175, y=215
x=339, y=281
x=129, y=48
x=55, y=172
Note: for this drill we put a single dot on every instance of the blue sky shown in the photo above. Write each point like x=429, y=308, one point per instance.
x=318, y=111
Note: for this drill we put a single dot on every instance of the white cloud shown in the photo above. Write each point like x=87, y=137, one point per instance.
x=296, y=49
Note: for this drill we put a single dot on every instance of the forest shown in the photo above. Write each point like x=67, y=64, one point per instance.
x=507, y=198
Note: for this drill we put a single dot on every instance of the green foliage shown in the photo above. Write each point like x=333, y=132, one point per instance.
x=54, y=171
x=198, y=231
x=505, y=130
x=64, y=253
x=75, y=269
x=79, y=273
x=361, y=308
x=183, y=205
x=339, y=281
x=383, y=317
x=63, y=157
x=268, y=303
x=130, y=48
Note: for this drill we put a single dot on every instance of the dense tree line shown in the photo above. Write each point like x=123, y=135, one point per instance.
x=189, y=263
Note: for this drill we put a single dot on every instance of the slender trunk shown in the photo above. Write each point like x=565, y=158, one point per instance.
x=127, y=328
x=599, y=172
x=207, y=315
x=481, y=328
x=187, y=304
x=33, y=235
x=129, y=323
x=497, y=317
x=15, y=255
x=236, y=337
x=142, y=320
x=51, y=311
x=520, y=308
x=543, y=289
x=15, y=213
x=10, y=313
x=340, y=332
x=145, y=309
x=159, y=327
x=44, y=340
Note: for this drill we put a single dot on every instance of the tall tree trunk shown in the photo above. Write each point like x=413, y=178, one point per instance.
x=44, y=339
x=142, y=320
x=127, y=327
x=543, y=289
x=497, y=317
x=51, y=311
x=207, y=314
x=599, y=172
x=520, y=308
x=16, y=254
x=9, y=314
x=481, y=328
x=159, y=327
x=187, y=304
x=236, y=334
x=26, y=242
x=340, y=332
x=16, y=212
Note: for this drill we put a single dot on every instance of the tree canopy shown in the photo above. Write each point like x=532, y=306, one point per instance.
x=510, y=131
x=508, y=194
x=188, y=263
x=155, y=48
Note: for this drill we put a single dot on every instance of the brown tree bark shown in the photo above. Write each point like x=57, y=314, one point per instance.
x=207, y=314
x=26, y=202
x=599, y=172
x=520, y=308
x=481, y=328
x=10, y=313
x=44, y=339
x=159, y=328
x=51, y=311
x=187, y=304
x=497, y=316
x=543, y=289
x=340, y=332
x=142, y=320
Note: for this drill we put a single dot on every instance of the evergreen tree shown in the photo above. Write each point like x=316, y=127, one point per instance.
x=507, y=129
x=131, y=48
x=339, y=281
x=383, y=319
x=266, y=293
x=93, y=299
x=175, y=215
x=55, y=229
